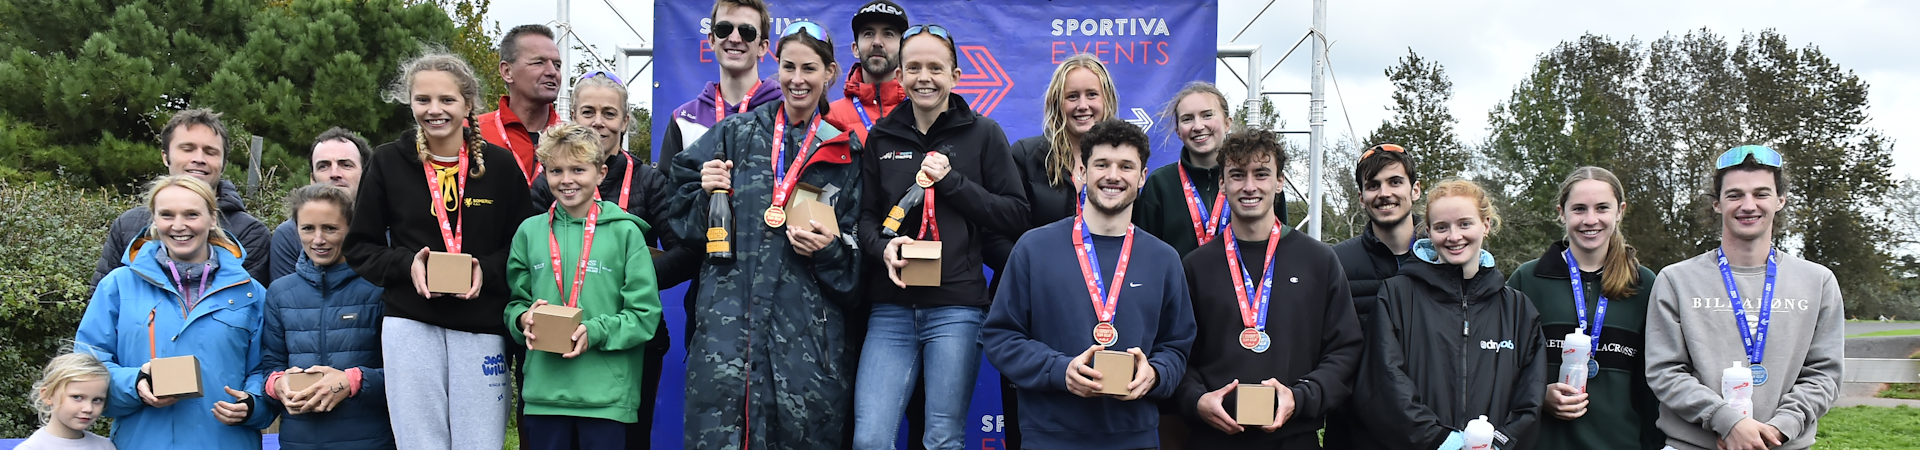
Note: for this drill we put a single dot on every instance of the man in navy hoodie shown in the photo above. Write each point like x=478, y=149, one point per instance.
x=1055, y=309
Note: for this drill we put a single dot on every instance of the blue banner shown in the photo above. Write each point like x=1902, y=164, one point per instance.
x=1008, y=51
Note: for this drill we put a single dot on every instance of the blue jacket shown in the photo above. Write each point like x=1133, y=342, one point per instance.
x=1042, y=318
x=328, y=316
x=222, y=330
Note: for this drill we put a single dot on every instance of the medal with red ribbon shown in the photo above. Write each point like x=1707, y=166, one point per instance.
x=1207, y=221
x=626, y=185
x=783, y=185
x=1106, y=298
x=1253, y=298
x=449, y=234
x=927, y=222
x=586, y=249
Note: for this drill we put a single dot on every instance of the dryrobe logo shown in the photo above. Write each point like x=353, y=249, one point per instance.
x=1114, y=41
x=493, y=365
x=1496, y=345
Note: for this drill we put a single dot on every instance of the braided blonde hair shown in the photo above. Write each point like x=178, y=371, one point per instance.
x=463, y=76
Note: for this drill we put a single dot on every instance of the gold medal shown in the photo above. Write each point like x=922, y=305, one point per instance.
x=923, y=180
x=1105, y=335
x=776, y=216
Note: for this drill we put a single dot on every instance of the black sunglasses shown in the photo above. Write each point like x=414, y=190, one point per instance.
x=723, y=29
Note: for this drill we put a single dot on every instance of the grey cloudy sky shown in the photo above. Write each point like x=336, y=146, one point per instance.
x=1487, y=46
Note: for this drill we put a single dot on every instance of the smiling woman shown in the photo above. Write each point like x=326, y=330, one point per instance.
x=189, y=287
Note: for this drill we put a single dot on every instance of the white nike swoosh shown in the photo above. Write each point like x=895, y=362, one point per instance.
x=1133, y=285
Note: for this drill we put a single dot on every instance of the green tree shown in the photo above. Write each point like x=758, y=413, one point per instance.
x=1421, y=119
x=640, y=133
x=1576, y=109
x=1268, y=117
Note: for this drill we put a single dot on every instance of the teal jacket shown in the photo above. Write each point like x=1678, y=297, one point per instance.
x=1621, y=409
x=620, y=303
x=222, y=330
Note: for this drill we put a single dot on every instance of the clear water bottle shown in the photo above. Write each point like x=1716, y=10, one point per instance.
x=1479, y=434
x=1736, y=385
x=1575, y=352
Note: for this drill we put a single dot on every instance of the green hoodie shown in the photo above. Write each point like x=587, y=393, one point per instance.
x=1620, y=407
x=620, y=305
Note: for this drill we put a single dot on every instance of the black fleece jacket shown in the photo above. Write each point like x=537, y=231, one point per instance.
x=1443, y=350
x=393, y=218
x=1316, y=339
x=982, y=192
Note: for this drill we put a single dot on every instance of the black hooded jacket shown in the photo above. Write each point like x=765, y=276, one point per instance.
x=983, y=192
x=1443, y=350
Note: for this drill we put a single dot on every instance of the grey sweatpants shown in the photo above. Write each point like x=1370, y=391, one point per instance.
x=446, y=389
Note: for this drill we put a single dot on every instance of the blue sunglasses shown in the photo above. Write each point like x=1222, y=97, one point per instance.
x=808, y=27
x=1760, y=154
x=602, y=73
x=936, y=30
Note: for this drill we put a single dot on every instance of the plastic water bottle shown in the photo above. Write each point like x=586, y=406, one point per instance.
x=1736, y=385
x=1479, y=434
x=1575, y=351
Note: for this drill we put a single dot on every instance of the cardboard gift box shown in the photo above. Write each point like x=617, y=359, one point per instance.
x=1256, y=405
x=1116, y=371
x=175, y=376
x=297, y=382
x=553, y=327
x=449, y=273
x=805, y=205
x=923, y=263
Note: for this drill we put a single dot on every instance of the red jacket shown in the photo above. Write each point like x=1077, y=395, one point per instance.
x=504, y=129
x=878, y=100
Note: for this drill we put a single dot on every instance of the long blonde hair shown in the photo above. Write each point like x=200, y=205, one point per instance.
x=215, y=235
x=402, y=91
x=1620, y=271
x=61, y=371
x=1064, y=148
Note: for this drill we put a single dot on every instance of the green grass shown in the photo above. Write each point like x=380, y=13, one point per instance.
x=1901, y=391
x=1908, y=332
x=1867, y=427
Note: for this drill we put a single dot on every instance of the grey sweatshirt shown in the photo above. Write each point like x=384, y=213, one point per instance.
x=1692, y=337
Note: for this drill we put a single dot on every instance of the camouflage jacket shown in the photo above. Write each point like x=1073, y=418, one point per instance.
x=769, y=327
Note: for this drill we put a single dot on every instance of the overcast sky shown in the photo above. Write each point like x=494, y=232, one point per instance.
x=1487, y=46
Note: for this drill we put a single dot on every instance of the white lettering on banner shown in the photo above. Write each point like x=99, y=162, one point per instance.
x=993, y=423
x=779, y=23
x=1143, y=26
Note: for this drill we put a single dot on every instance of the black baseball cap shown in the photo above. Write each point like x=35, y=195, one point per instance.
x=881, y=10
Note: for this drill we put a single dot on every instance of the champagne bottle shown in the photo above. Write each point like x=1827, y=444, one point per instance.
x=720, y=223
x=890, y=228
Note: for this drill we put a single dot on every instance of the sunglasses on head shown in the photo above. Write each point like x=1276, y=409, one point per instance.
x=1760, y=153
x=603, y=73
x=1396, y=148
x=936, y=30
x=807, y=27
x=723, y=29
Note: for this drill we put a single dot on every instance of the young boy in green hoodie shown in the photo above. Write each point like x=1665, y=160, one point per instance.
x=583, y=398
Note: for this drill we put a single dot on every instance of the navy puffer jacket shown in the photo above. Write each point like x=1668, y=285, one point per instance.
x=328, y=316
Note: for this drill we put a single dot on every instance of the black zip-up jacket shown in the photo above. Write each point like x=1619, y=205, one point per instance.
x=1316, y=342
x=1441, y=351
x=981, y=192
x=1369, y=263
x=393, y=219
x=647, y=198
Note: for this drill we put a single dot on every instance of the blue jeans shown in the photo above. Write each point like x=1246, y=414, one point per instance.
x=891, y=362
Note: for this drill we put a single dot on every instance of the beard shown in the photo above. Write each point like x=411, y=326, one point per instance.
x=887, y=65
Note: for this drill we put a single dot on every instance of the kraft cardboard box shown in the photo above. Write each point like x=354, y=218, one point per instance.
x=175, y=376
x=449, y=273
x=923, y=263
x=553, y=327
x=1116, y=371
x=301, y=381
x=805, y=205
x=1256, y=405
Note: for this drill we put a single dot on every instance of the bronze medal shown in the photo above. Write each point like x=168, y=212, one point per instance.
x=776, y=216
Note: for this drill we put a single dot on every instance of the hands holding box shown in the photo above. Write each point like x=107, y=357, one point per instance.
x=1098, y=371
x=1267, y=405
x=434, y=273
x=555, y=320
